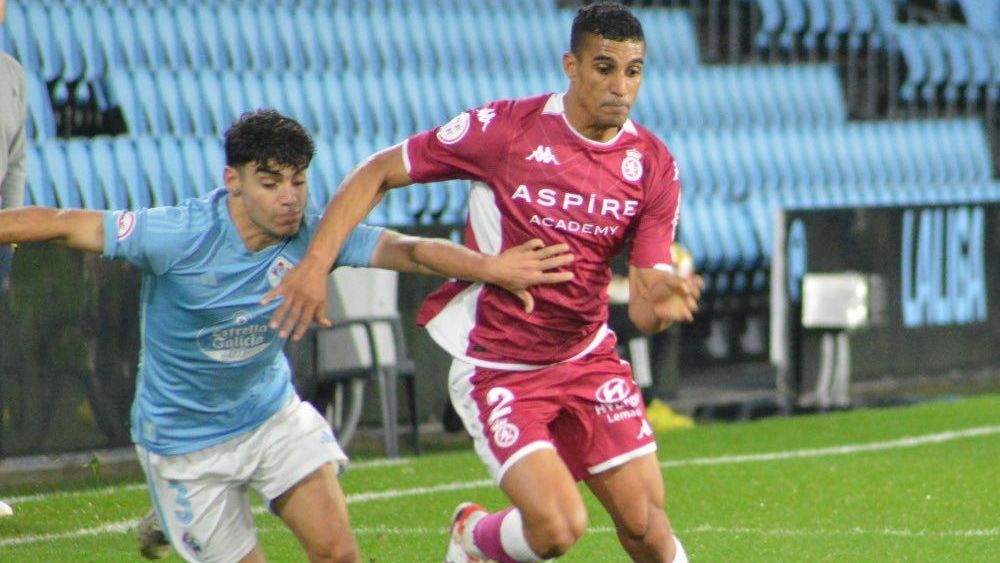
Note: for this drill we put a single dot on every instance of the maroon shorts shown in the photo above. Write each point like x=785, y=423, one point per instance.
x=590, y=410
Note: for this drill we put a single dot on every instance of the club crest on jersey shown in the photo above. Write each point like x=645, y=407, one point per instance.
x=632, y=165
x=126, y=224
x=278, y=269
x=453, y=131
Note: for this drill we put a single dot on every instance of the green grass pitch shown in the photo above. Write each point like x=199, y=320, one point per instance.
x=904, y=484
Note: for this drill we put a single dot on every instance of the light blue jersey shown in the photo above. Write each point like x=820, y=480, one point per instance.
x=210, y=368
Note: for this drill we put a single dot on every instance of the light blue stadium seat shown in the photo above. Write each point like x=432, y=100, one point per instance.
x=457, y=209
x=67, y=43
x=127, y=37
x=863, y=22
x=58, y=175
x=232, y=91
x=25, y=48
x=937, y=68
x=916, y=67
x=840, y=23
x=93, y=57
x=329, y=104
x=770, y=25
x=214, y=156
x=295, y=54
x=320, y=103
x=437, y=200
x=237, y=54
x=155, y=172
x=106, y=173
x=152, y=40
x=176, y=183
x=41, y=124
x=202, y=179
x=103, y=25
x=178, y=120
x=794, y=23
x=36, y=189
x=325, y=172
x=818, y=23
x=130, y=171
x=49, y=63
x=82, y=177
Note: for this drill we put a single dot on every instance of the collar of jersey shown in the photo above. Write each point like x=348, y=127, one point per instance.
x=555, y=106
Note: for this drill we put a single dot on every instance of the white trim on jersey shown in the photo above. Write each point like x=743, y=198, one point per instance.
x=406, y=155
x=622, y=459
x=555, y=106
x=484, y=217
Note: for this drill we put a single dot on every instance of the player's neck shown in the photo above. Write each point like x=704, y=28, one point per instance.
x=581, y=122
x=254, y=238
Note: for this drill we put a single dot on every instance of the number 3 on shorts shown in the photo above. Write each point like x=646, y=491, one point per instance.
x=184, y=513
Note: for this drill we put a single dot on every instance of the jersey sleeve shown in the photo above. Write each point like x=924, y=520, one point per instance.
x=467, y=147
x=656, y=225
x=152, y=239
x=359, y=247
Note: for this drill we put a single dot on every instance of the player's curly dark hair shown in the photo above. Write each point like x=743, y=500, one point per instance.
x=609, y=20
x=267, y=137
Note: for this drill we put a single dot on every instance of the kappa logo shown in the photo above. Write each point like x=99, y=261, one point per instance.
x=645, y=430
x=543, y=155
x=632, y=165
x=126, y=224
x=453, y=131
x=485, y=116
x=614, y=391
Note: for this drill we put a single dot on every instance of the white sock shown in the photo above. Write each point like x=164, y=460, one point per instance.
x=512, y=538
x=680, y=556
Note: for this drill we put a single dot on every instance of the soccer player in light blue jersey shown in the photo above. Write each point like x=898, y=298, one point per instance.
x=215, y=411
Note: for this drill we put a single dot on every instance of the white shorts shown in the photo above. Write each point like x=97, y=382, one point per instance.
x=201, y=497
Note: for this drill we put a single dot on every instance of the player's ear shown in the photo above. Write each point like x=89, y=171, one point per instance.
x=570, y=65
x=231, y=177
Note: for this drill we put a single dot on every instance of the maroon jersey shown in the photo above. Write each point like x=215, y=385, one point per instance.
x=534, y=176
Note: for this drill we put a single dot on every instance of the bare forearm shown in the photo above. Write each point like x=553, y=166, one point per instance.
x=74, y=228
x=450, y=260
x=357, y=196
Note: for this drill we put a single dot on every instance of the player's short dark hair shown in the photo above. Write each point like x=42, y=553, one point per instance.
x=609, y=20
x=267, y=137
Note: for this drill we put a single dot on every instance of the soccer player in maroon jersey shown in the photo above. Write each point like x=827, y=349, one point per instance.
x=546, y=398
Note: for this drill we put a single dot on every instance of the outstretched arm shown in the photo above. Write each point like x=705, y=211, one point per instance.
x=515, y=270
x=73, y=228
x=304, y=288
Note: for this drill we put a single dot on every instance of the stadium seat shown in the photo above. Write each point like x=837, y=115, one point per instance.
x=155, y=172
x=36, y=190
x=176, y=184
x=41, y=123
x=58, y=175
x=201, y=178
x=129, y=169
x=106, y=174
x=49, y=59
x=83, y=177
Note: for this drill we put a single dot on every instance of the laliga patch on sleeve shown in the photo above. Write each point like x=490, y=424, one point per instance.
x=126, y=224
x=453, y=131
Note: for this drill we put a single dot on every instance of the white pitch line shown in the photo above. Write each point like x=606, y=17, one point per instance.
x=398, y=493
x=127, y=526
x=113, y=489
x=908, y=442
x=112, y=528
